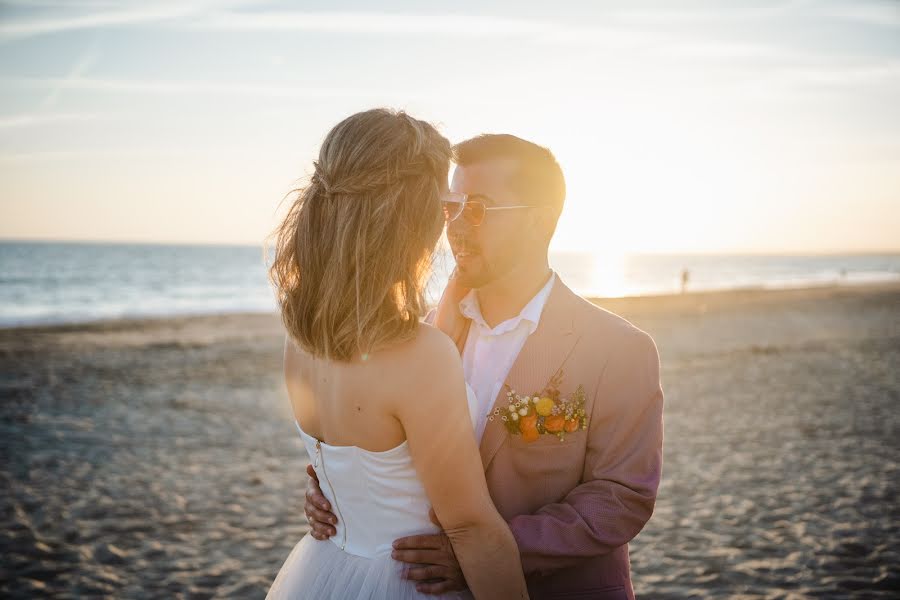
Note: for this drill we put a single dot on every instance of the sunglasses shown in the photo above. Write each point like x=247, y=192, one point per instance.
x=458, y=204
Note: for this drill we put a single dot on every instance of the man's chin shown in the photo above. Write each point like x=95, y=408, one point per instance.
x=470, y=277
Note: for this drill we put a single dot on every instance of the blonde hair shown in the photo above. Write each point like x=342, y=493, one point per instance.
x=352, y=254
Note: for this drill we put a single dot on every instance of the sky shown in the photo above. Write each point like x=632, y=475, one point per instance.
x=740, y=126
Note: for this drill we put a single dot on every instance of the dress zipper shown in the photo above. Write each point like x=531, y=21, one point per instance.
x=333, y=495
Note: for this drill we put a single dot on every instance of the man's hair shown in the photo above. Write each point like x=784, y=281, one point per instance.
x=538, y=180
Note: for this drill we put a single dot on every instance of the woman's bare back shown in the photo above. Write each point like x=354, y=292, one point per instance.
x=352, y=404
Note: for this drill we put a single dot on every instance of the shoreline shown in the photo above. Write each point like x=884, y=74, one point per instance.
x=702, y=301
x=691, y=301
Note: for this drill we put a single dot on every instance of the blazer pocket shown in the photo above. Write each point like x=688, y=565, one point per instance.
x=547, y=441
x=554, y=461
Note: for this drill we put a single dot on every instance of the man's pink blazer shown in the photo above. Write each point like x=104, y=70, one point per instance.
x=574, y=505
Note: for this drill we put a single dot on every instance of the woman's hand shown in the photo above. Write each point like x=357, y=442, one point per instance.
x=448, y=318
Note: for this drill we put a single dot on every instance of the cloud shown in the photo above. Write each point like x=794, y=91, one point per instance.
x=36, y=119
x=136, y=13
x=222, y=15
x=168, y=87
x=82, y=64
x=210, y=16
x=370, y=22
x=711, y=13
x=885, y=14
x=81, y=154
x=886, y=73
x=21, y=29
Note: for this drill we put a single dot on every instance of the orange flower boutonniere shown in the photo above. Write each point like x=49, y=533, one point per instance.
x=543, y=413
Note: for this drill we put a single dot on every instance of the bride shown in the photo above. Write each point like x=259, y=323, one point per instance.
x=379, y=398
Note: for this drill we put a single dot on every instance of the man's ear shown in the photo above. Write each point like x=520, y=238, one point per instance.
x=544, y=221
x=551, y=218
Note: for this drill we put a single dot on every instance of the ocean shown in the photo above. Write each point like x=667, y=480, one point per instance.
x=69, y=282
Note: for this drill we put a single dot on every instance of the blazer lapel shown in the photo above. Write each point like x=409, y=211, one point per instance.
x=544, y=352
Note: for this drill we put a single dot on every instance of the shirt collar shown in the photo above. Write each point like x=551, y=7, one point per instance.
x=531, y=313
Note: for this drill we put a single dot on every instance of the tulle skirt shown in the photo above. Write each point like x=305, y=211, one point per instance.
x=318, y=569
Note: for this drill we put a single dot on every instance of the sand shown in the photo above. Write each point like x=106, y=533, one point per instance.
x=157, y=458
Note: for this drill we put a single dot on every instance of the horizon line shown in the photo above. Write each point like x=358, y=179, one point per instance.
x=260, y=244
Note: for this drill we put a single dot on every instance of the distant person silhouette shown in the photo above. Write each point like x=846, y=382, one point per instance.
x=685, y=277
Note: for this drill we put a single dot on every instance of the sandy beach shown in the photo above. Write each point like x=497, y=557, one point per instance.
x=157, y=458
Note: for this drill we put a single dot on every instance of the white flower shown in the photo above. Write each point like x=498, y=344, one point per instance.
x=535, y=400
x=515, y=417
x=512, y=408
x=504, y=418
x=523, y=411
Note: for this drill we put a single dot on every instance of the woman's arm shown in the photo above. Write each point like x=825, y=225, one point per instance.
x=447, y=317
x=435, y=415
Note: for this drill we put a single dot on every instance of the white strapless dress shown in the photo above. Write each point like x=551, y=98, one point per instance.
x=377, y=498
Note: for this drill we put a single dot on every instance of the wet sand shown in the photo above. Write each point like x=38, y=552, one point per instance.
x=157, y=458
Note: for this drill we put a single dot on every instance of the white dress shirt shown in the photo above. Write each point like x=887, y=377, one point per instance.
x=489, y=354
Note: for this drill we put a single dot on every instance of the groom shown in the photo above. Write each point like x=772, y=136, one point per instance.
x=572, y=504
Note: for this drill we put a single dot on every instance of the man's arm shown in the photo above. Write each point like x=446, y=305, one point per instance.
x=622, y=468
x=317, y=508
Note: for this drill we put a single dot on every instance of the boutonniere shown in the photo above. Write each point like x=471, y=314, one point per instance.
x=543, y=413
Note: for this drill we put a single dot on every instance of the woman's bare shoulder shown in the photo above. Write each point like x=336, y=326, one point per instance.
x=429, y=359
x=433, y=346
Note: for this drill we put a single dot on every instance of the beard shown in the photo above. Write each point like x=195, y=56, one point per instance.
x=476, y=269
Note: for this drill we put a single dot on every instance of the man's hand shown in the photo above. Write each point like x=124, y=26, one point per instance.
x=317, y=508
x=437, y=569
